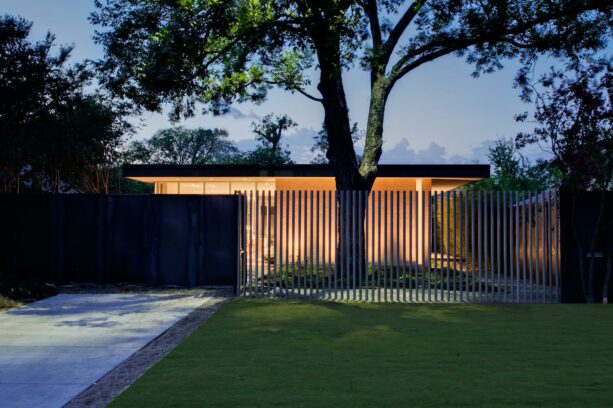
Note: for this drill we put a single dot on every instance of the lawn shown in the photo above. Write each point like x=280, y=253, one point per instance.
x=259, y=353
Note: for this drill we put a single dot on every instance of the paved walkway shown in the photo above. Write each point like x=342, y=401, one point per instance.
x=53, y=349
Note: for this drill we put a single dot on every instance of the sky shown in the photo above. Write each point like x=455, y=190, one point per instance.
x=436, y=114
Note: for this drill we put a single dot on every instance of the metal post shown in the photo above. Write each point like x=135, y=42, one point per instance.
x=556, y=237
x=530, y=246
x=317, y=244
x=367, y=240
x=361, y=226
x=455, y=207
x=311, y=243
x=347, y=214
x=354, y=236
x=404, y=246
x=486, y=222
x=379, y=246
x=448, y=246
x=505, y=253
x=472, y=240
x=331, y=264
x=435, y=204
x=385, y=245
x=372, y=243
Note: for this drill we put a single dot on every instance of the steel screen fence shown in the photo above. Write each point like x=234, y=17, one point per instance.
x=400, y=246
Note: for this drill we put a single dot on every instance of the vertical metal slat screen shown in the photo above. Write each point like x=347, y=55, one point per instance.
x=399, y=246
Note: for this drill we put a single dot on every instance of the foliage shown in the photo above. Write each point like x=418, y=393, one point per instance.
x=574, y=117
x=15, y=292
x=221, y=52
x=179, y=145
x=53, y=135
x=270, y=130
x=265, y=156
x=269, y=133
x=269, y=152
x=513, y=172
x=127, y=186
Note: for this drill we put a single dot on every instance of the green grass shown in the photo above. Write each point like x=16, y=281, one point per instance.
x=258, y=353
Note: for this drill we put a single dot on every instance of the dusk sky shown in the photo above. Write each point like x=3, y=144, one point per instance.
x=437, y=114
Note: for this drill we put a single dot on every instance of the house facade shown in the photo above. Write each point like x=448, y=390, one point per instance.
x=290, y=211
x=228, y=179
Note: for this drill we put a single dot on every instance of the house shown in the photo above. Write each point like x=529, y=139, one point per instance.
x=280, y=198
x=230, y=178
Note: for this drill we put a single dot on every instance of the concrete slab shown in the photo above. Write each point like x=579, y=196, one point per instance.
x=53, y=349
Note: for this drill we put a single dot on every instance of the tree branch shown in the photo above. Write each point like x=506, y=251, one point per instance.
x=398, y=73
x=444, y=45
x=399, y=28
x=297, y=89
x=314, y=98
x=370, y=8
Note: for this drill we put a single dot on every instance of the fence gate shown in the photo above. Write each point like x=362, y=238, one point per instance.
x=400, y=246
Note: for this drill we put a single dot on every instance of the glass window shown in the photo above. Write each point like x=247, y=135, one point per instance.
x=243, y=186
x=266, y=185
x=169, y=188
x=217, y=187
x=192, y=188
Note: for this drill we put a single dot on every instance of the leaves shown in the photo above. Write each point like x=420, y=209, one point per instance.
x=574, y=117
x=53, y=135
x=216, y=53
x=513, y=172
x=179, y=145
x=269, y=132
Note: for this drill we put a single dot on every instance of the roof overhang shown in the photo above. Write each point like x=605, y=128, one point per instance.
x=150, y=172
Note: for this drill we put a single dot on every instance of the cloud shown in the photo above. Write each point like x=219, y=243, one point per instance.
x=246, y=144
x=298, y=140
x=238, y=114
x=403, y=153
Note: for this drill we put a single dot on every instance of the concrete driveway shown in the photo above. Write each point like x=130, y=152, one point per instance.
x=53, y=349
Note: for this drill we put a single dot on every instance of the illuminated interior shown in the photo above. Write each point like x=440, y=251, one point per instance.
x=298, y=191
x=231, y=185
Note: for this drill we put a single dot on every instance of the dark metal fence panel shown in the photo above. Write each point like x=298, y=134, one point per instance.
x=23, y=222
x=155, y=240
x=586, y=236
x=403, y=246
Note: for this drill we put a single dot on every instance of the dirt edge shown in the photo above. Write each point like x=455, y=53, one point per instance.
x=101, y=393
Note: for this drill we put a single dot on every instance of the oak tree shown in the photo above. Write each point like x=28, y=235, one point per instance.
x=215, y=53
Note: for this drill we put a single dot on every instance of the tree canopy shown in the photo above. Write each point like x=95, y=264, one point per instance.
x=573, y=119
x=217, y=53
x=54, y=135
x=269, y=132
x=179, y=145
x=513, y=172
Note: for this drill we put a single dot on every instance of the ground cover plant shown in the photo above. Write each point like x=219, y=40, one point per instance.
x=16, y=292
x=303, y=354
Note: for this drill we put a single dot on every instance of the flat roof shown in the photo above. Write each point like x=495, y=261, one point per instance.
x=477, y=171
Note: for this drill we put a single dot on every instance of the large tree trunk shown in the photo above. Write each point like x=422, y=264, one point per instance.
x=373, y=147
x=349, y=174
x=341, y=152
x=341, y=155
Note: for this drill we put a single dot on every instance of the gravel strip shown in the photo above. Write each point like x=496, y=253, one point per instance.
x=101, y=393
